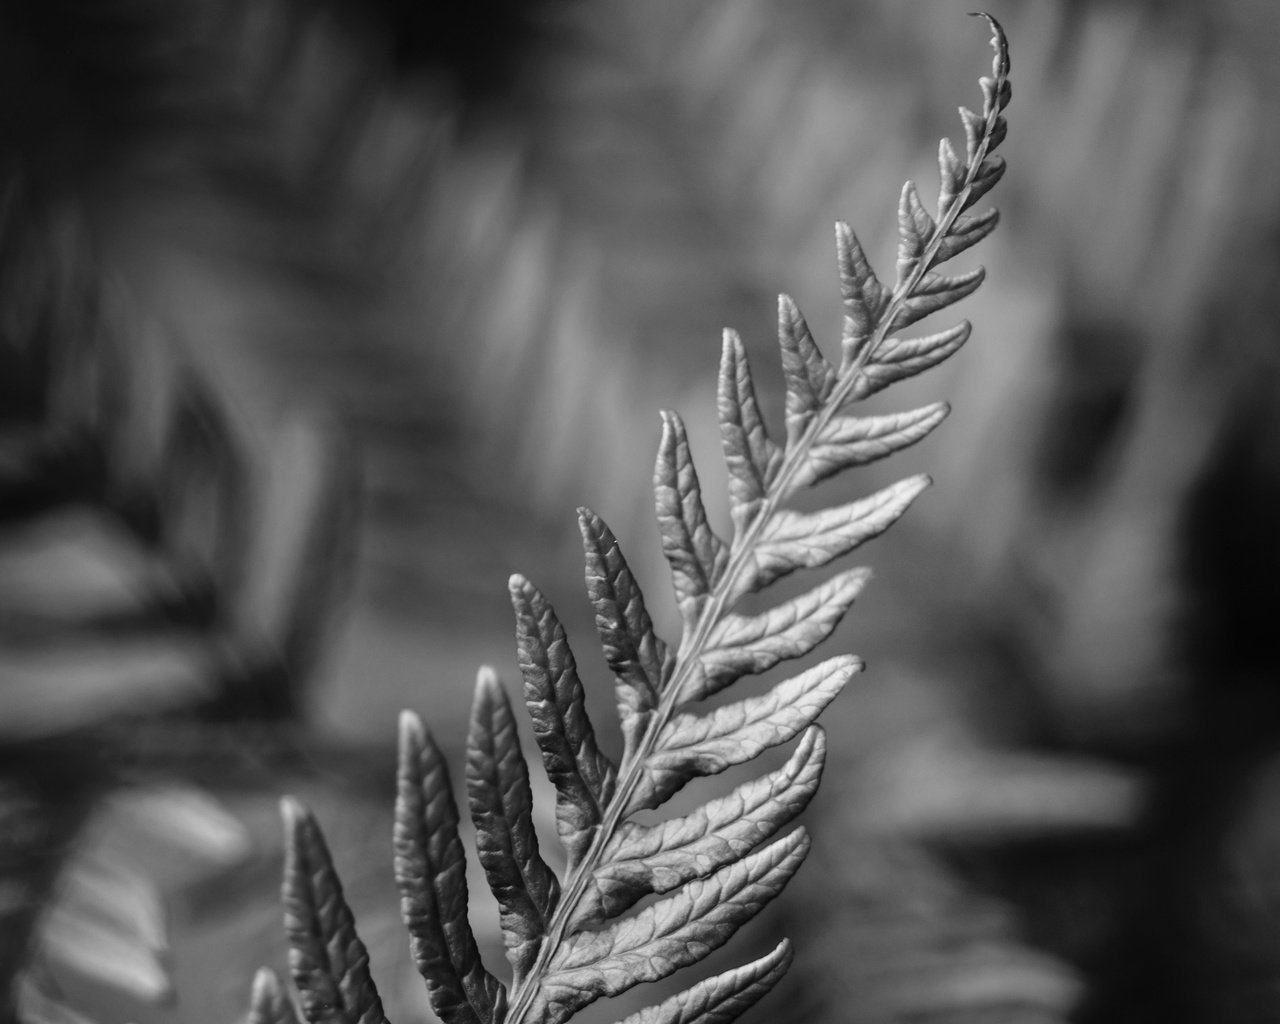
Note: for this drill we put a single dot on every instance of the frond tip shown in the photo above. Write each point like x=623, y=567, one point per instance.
x=575, y=937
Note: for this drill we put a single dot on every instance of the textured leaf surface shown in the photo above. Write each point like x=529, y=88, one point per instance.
x=915, y=230
x=641, y=860
x=742, y=644
x=696, y=555
x=752, y=458
x=431, y=872
x=677, y=930
x=863, y=295
x=809, y=377
x=581, y=773
x=502, y=811
x=694, y=745
x=329, y=963
x=723, y=998
x=638, y=659
x=967, y=232
x=267, y=1003
x=848, y=441
x=900, y=358
x=935, y=292
x=806, y=540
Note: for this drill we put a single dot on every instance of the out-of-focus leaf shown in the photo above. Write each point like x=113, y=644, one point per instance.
x=268, y=1003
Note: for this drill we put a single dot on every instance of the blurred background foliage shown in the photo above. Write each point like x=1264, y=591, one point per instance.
x=318, y=318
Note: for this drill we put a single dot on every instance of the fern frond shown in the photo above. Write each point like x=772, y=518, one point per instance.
x=576, y=939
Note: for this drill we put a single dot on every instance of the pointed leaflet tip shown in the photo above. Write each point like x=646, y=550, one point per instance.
x=846, y=441
x=673, y=932
x=639, y=660
x=809, y=377
x=502, y=811
x=581, y=773
x=915, y=230
x=268, y=1003
x=722, y=999
x=751, y=457
x=999, y=42
x=643, y=860
x=329, y=963
x=696, y=555
x=431, y=872
x=751, y=644
x=861, y=291
x=691, y=746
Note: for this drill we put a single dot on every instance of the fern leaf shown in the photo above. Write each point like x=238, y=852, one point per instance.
x=808, y=375
x=905, y=358
x=974, y=126
x=915, y=228
x=721, y=999
x=935, y=292
x=641, y=860
x=863, y=295
x=795, y=540
x=329, y=963
x=951, y=172
x=848, y=441
x=740, y=645
x=581, y=773
x=267, y=1003
x=638, y=659
x=989, y=173
x=695, y=745
x=675, y=931
x=752, y=458
x=502, y=811
x=431, y=872
x=966, y=233
x=696, y=555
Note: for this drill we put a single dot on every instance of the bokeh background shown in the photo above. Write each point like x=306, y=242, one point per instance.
x=318, y=318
